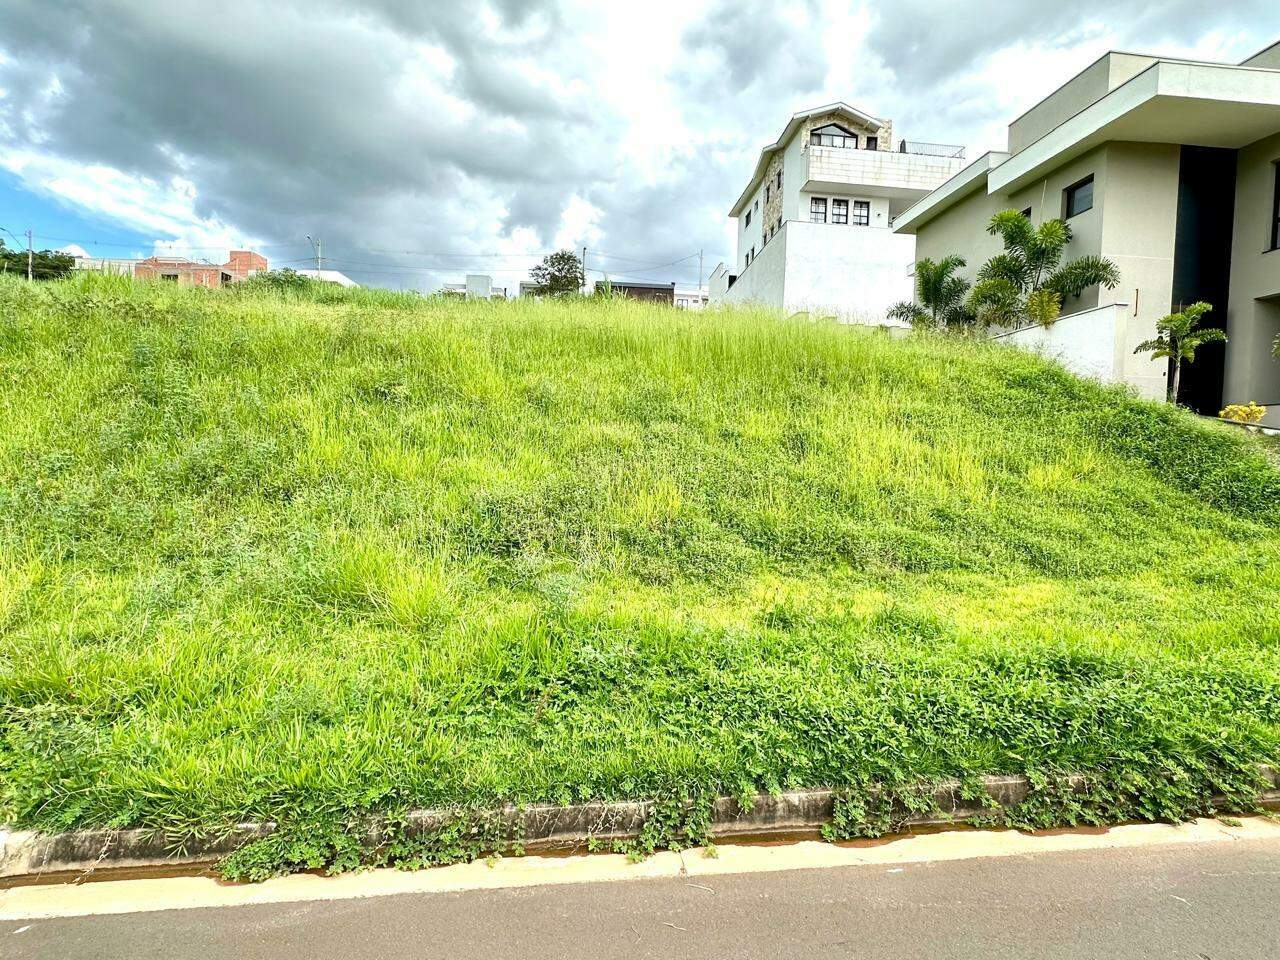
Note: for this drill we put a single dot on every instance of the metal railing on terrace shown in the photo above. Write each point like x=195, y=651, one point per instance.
x=945, y=150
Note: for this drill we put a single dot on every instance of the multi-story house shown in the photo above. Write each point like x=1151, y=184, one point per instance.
x=1169, y=168
x=813, y=223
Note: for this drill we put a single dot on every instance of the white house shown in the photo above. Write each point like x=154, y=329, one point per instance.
x=689, y=297
x=328, y=276
x=813, y=222
x=477, y=286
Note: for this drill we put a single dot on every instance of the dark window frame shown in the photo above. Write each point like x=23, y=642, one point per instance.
x=748, y=223
x=861, y=213
x=873, y=143
x=844, y=139
x=1027, y=213
x=839, y=210
x=1070, y=193
x=1275, y=207
x=816, y=205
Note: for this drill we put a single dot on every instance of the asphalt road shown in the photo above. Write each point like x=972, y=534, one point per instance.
x=1217, y=901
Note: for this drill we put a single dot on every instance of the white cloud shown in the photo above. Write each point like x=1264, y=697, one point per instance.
x=484, y=135
x=166, y=210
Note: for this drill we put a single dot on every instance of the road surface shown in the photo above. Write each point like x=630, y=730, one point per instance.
x=1201, y=901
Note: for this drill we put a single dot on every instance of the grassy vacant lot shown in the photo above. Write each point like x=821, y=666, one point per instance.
x=298, y=557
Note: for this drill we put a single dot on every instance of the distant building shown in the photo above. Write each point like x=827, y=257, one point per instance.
x=116, y=265
x=691, y=298
x=635, y=290
x=477, y=286
x=328, y=276
x=528, y=288
x=190, y=273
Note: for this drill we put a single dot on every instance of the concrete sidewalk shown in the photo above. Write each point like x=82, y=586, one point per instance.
x=1218, y=900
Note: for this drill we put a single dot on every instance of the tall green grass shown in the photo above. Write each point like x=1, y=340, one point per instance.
x=299, y=556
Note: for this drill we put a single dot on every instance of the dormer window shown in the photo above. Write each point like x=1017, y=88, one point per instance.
x=833, y=135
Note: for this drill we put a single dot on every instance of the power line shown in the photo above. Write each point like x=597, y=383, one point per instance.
x=641, y=262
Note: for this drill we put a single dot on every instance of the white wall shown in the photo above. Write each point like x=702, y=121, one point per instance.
x=855, y=273
x=762, y=282
x=1091, y=343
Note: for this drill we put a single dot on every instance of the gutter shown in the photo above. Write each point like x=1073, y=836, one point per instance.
x=27, y=857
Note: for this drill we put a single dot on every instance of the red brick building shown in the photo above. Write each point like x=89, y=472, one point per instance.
x=190, y=273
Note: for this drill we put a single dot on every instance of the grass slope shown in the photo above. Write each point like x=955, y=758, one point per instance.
x=294, y=558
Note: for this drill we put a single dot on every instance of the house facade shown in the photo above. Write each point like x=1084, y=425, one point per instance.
x=240, y=265
x=1171, y=169
x=813, y=222
x=476, y=286
x=664, y=293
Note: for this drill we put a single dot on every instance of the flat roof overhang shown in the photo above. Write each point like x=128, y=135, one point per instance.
x=1206, y=105
x=968, y=181
x=900, y=198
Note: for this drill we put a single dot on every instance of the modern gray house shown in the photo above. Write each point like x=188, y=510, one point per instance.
x=1170, y=168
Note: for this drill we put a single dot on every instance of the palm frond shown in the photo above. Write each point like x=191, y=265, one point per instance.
x=1043, y=306
x=1075, y=277
x=912, y=313
x=1010, y=266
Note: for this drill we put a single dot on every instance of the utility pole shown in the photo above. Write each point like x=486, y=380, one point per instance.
x=315, y=246
x=586, y=287
x=699, y=273
x=28, y=254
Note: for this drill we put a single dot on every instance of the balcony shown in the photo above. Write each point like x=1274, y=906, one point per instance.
x=903, y=175
x=918, y=147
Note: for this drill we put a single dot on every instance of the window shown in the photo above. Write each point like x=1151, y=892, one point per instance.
x=169, y=276
x=833, y=135
x=1027, y=213
x=779, y=180
x=682, y=302
x=756, y=205
x=1275, y=211
x=1078, y=198
x=873, y=143
x=839, y=211
x=818, y=210
x=748, y=218
x=766, y=193
x=862, y=213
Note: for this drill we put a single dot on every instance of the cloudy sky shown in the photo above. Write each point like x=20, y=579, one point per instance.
x=421, y=141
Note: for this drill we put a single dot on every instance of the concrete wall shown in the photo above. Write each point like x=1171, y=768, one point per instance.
x=1268, y=58
x=1089, y=343
x=962, y=229
x=1083, y=90
x=762, y=282
x=1253, y=320
x=854, y=273
x=905, y=171
x=1138, y=233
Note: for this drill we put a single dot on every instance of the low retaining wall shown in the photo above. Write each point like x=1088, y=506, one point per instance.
x=29, y=857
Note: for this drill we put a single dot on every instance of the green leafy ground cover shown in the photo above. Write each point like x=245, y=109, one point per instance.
x=279, y=556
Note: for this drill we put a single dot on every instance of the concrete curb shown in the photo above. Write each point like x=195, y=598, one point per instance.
x=30, y=857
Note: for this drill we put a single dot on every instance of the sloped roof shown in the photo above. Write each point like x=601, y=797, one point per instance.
x=788, y=132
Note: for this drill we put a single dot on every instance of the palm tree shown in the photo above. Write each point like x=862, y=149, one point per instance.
x=939, y=295
x=1029, y=281
x=1177, y=338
